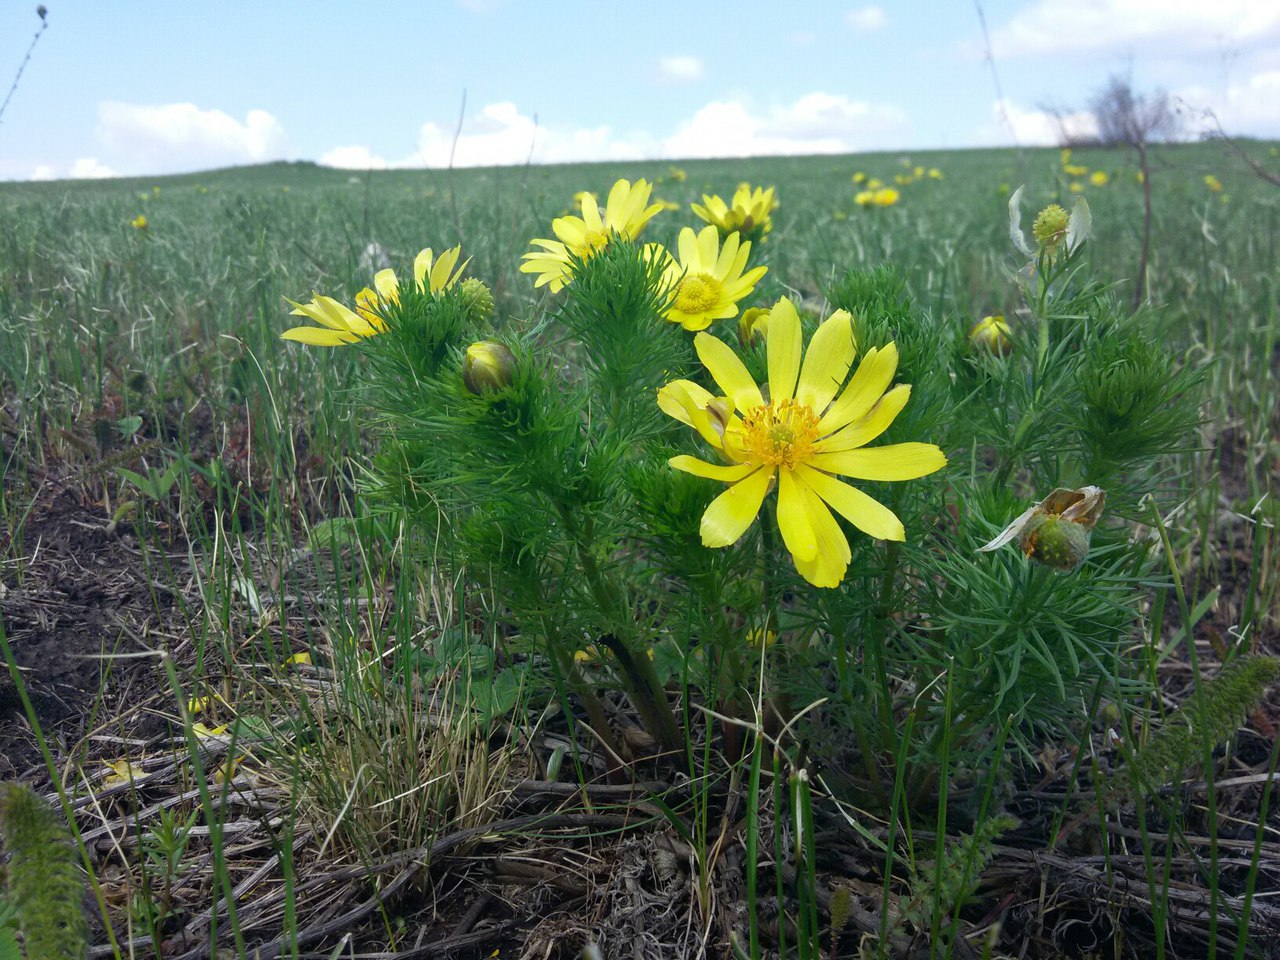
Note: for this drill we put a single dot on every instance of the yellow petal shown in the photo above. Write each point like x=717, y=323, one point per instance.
x=729, y=514
x=869, y=382
x=783, y=342
x=728, y=371
x=318, y=336
x=897, y=461
x=868, y=515
x=387, y=286
x=827, y=361
x=422, y=263
x=876, y=422
x=828, y=565
x=793, y=517
x=673, y=399
x=700, y=468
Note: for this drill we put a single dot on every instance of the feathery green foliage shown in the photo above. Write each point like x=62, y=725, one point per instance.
x=1204, y=721
x=45, y=883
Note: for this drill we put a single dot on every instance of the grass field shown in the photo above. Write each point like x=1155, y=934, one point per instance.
x=293, y=724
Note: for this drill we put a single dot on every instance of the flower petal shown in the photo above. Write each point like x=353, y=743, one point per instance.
x=868, y=515
x=700, y=468
x=829, y=563
x=319, y=336
x=728, y=371
x=869, y=382
x=384, y=281
x=897, y=461
x=729, y=514
x=793, y=517
x=876, y=422
x=784, y=345
x=827, y=361
x=673, y=399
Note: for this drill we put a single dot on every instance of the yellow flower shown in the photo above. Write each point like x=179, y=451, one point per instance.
x=1099, y=178
x=340, y=325
x=1213, y=183
x=809, y=431
x=753, y=325
x=935, y=173
x=1075, y=170
x=748, y=214
x=864, y=198
x=901, y=179
x=677, y=174
x=708, y=281
x=578, y=238
x=885, y=197
x=1066, y=155
x=1076, y=187
x=139, y=222
x=298, y=659
x=859, y=177
x=875, y=183
x=122, y=771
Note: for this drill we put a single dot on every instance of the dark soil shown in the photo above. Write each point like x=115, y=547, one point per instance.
x=82, y=596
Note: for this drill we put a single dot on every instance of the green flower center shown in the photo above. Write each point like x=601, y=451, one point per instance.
x=781, y=434
x=698, y=293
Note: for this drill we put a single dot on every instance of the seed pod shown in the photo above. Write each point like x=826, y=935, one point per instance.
x=477, y=300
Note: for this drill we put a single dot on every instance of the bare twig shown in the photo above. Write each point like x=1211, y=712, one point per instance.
x=42, y=11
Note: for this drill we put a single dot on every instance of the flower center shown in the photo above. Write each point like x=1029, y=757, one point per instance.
x=698, y=293
x=595, y=241
x=781, y=433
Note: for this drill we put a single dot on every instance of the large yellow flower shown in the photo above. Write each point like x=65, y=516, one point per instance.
x=340, y=325
x=748, y=214
x=625, y=214
x=803, y=434
x=708, y=281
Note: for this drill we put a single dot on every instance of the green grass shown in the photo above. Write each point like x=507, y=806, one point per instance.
x=132, y=350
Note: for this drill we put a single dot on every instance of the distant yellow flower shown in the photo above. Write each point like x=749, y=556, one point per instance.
x=677, y=174
x=864, y=198
x=139, y=222
x=935, y=173
x=918, y=173
x=579, y=238
x=1075, y=170
x=859, y=177
x=875, y=183
x=812, y=428
x=667, y=204
x=582, y=196
x=884, y=197
x=1140, y=176
x=901, y=179
x=1213, y=183
x=1075, y=186
x=1099, y=178
x=340, y=325
x=708, y=280
x=748, y=214
x=1066, y=155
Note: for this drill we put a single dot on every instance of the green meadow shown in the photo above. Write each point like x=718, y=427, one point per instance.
x=293, y=694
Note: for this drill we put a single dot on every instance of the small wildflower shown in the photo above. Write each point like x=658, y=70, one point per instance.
x=488, y=367
x=298, y=659
x=709, y=280
x=813, y=429
x=677, y=174
x=1140, y=176
x=122, y=771
x=139, y=222
x=1076, y=186
x=992, y=334
x=1065, y=156
x=748, y=214
x=885, y=197
x=1075, y=170
x=1099, y=178
x=1056, y=530
x=760, y=639
x=875, y=183
x=1213, y=183
x=859, y=177
x=935, y=173
x=1053, y=227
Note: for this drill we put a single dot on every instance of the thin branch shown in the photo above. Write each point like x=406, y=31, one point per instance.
x=44, y=25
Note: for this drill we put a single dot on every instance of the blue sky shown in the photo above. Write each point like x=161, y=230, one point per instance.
x=146, y=88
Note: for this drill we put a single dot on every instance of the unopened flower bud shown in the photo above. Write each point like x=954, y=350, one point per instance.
x=477, y=300
x=991, y=334
x=489, y=367
x=753, y=325
x=1050, y=228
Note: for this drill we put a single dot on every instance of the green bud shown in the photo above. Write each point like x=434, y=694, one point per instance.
x=477, y=300
x=489, y=367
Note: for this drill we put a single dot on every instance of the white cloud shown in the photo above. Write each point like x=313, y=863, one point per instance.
x=353, y=157
x=173, y=137
x=681, y=69
x=1032, y=128
x=866, y=19
x=44, y=172
x=1243, y=108
x=90, y=168
x=815, y=123
x=1165, y=28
